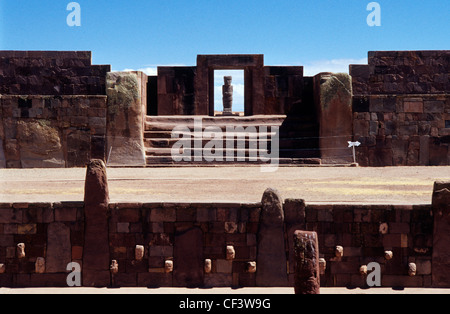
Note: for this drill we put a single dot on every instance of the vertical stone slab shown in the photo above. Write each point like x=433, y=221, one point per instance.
x=188, y=258
x=294, y=218
x=96, y=245
x=306, y=251
x=333, y=98
x=127, y=104
x=59, y=249
x=271, y=257
x=441, y=235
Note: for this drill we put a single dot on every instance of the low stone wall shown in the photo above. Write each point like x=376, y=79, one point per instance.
x=219, y=244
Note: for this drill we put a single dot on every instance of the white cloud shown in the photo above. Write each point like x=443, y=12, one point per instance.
x=335, y=65
x=148, y=70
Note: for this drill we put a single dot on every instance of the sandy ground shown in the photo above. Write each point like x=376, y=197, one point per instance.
x=389, y=185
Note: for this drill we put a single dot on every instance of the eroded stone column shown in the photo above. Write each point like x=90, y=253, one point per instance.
x=271, y=258
x=306, y=252
x=96, y=261
x=441, y=235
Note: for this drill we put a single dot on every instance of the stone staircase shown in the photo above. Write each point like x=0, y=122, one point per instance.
x=230, y=140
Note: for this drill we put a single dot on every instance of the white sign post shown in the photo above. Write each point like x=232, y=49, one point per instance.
x=353, y=145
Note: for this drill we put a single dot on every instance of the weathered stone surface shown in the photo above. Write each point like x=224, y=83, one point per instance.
x=188, y=258
x=126, y=103
x=139, y=252
x=40, y=145
x=271, y=256
x=40, y=265
x=251, y=267
x=20, y=250
x=412, y=269
x=307, y=272
x=114, y=267
x=441, y=235
x=168, y=266
x=59, y=250
x=96, y=261
x=231, y=253
x=294, y=217
x=334, y=101
x=339, y=251
x=208, y=265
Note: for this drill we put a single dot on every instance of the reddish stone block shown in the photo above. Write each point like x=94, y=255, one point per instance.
x=65, y=214
x=77, y=252
x=154, y=280
x=307, y=274
x=127, y=214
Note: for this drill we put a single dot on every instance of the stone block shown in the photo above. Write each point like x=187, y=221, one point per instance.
x=163, y=215
x=59, y=252
x=40, y=145
x=224, y=266
x=271, y=257
x=413, y=105
x=123, y=227
x=433, y=106
x=188, y=250
x=307, y=273
x=65, y=214
x=441, y=235
x=96, y=259
x=27, y=229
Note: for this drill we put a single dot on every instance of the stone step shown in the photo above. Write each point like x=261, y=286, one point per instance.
x=208, y=120
x=283, y=142
x=169, y=123
x=168, y=134
x=256, y=153
x=166, y=161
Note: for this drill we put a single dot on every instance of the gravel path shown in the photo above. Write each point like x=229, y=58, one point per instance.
x=396, y=185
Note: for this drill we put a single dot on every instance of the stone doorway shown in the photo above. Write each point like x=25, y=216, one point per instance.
x=253, y=68
x=238, y=92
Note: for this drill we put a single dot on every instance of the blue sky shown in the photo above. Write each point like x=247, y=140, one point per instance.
x=142, y=34
x=321, y=35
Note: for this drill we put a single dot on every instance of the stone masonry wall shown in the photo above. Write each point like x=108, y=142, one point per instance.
x=167, y=244
x=53, y=109
x=51, y=131
x=51, y=73
x=401, y=108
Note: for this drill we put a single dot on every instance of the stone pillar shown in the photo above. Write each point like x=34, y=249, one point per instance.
x=271, y=257
x=227, y=96
x=333, y=100
x=307, y=273
x=96, y=260
x=294, y=217
x=127, y=103
x=441, y=235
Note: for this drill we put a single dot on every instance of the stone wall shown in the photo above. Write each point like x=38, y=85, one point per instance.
x=283, y=89
x=218, y=244
x=51, y=73
x=401, y=108
x=52, y=109
x=51, y=131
